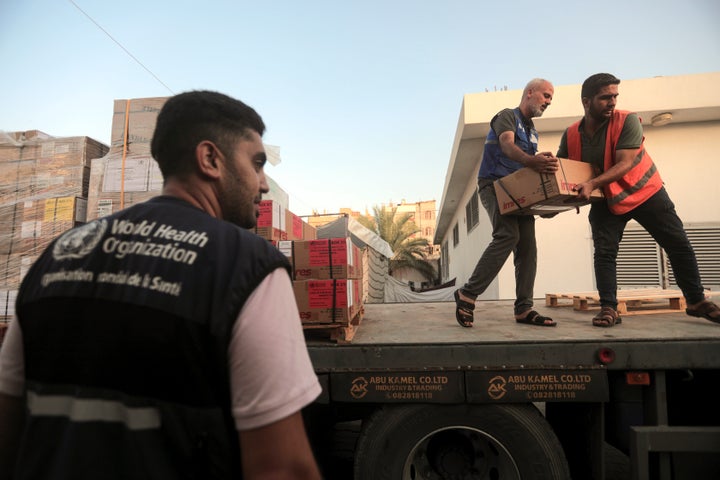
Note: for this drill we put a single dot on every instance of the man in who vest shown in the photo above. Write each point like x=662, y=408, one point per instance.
x=613, y=141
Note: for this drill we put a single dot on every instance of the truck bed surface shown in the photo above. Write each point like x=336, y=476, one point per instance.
x=408, y=335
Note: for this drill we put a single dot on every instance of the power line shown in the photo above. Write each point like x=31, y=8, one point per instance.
x=121, y=46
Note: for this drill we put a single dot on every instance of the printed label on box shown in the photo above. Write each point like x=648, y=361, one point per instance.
x=285, y=247
x=30, y=229
x=59, y=209
x=265, y=217
x=155, y=182
x=321, y=254
x=297, y=226
x=132, y=178
x=320, y=294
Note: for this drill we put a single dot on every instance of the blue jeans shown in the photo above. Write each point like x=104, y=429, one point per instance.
x=657, y=215
x=511, y=233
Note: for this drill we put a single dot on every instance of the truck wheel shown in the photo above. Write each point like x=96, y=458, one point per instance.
x=432, y=442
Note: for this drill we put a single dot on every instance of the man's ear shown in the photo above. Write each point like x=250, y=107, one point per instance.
x=208, y=158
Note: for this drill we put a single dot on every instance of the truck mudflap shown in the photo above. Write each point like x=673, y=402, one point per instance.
x=507, y=385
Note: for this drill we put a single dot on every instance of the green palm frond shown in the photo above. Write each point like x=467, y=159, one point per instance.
x=397, y=230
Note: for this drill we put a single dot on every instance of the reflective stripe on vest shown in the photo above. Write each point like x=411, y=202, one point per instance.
x=642, y=180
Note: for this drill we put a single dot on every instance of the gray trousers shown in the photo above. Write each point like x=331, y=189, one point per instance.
x=511, y=233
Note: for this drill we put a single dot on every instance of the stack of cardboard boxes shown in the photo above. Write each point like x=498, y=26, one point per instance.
x=327, y=280
x=43, y=192
x=127, y=175
x=326, y=273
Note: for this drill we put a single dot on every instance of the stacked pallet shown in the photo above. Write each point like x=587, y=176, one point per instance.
x=43, y=192
x=327, y=283
x=630, y=301
x=128, y=174
x=326, y=273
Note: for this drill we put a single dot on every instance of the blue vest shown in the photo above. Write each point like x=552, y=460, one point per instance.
x=131, y=315
x=494, y=163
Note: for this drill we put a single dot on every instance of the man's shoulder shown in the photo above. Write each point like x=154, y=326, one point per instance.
x=506, y=113
x=504, y=121
x=627, y=115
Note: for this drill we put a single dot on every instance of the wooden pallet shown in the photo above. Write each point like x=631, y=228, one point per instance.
x=554, y=299
x=630, y=302
x=336, y=332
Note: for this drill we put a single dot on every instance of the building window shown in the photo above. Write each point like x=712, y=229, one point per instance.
x=472, y=213
x=444, y=261
x=428, y=215
x=456, y=235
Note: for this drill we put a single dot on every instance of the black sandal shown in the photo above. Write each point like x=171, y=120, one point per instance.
x=607, y=317
x=705, y=310
x=534, y=318
x=463, y=311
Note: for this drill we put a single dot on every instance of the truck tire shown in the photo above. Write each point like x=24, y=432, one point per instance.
x=433, y=442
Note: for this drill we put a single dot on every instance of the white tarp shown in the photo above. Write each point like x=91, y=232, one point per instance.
x=376, y=261
x=399, y=292
x=361, y=235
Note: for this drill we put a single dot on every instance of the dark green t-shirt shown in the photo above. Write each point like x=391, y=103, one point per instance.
x=505, y=121
x=593, y=149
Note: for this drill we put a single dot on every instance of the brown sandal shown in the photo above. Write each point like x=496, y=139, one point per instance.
x=705, y=310
x=607, y=317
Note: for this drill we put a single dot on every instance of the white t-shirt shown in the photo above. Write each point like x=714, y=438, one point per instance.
x=271, y=376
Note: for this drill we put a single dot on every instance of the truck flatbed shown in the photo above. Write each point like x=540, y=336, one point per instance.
x=405, y=335
x=640, y=391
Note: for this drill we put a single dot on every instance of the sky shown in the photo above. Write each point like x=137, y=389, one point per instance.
x=361, y=97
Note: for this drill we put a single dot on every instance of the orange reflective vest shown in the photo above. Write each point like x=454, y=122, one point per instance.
x=641, y=182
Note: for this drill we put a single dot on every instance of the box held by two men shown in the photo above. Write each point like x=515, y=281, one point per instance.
x=527, y=192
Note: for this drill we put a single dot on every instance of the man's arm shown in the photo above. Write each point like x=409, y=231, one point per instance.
x=542, y=162
x=563, y=148
x=624, y=160
x=12, y=399
x=279, y=451
x=272, y=380
x=12, y=419
x=626, y=151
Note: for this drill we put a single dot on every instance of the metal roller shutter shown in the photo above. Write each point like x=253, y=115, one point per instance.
x=642, y=263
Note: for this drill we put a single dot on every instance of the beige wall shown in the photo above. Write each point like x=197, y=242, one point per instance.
x=685, y=151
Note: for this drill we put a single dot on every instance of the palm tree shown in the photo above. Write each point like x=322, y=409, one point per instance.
x=397, y=231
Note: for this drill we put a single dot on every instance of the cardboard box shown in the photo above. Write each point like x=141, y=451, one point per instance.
x=116, y=184
x=527, y=192
x=44, y=220
x=13, y=269
x=297, y=228
x=133, y=124
x=293, y=225
x=327, y=301
x=323, y=258
x=28, y=227
x=309, y=232
x=46, y=167
x=271, y=222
